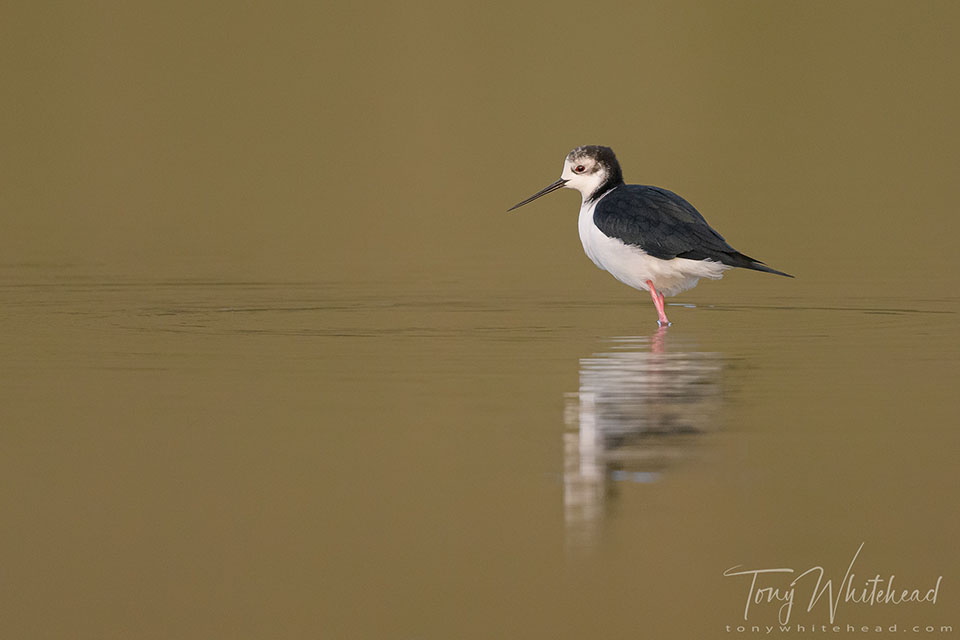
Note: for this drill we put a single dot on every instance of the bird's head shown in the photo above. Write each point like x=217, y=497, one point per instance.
x=589, y=169
x=592, y=170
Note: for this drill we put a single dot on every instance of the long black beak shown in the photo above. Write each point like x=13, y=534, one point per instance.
x=556, y=185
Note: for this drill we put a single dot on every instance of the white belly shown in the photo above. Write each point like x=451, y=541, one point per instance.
x=633, y=266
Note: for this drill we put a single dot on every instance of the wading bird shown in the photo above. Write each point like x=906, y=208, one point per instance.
x=646, y=237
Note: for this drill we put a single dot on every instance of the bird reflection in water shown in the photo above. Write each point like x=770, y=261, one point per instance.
x=638, y=412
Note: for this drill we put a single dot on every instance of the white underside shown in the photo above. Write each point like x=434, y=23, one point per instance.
x=633, y=266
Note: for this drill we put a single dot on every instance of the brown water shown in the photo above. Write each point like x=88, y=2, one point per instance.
x=275, y=362
x=186, y=458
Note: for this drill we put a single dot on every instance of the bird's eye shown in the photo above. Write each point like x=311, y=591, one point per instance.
x=580, y=168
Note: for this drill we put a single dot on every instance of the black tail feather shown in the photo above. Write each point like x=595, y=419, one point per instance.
x=733, y=259
x=737, y=259
x=756, y=265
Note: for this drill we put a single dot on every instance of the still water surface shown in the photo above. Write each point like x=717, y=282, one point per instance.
x=188, y=458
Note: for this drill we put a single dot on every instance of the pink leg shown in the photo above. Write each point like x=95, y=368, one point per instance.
x=658, y=303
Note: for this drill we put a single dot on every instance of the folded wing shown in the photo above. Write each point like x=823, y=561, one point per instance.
x=666, y=226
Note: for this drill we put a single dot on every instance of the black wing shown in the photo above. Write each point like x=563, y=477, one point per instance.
x=665, y=226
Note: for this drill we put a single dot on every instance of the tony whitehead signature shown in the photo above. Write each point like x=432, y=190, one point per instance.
x=875, y=591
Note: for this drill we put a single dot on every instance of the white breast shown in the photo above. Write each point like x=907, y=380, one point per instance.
x=632, y=266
